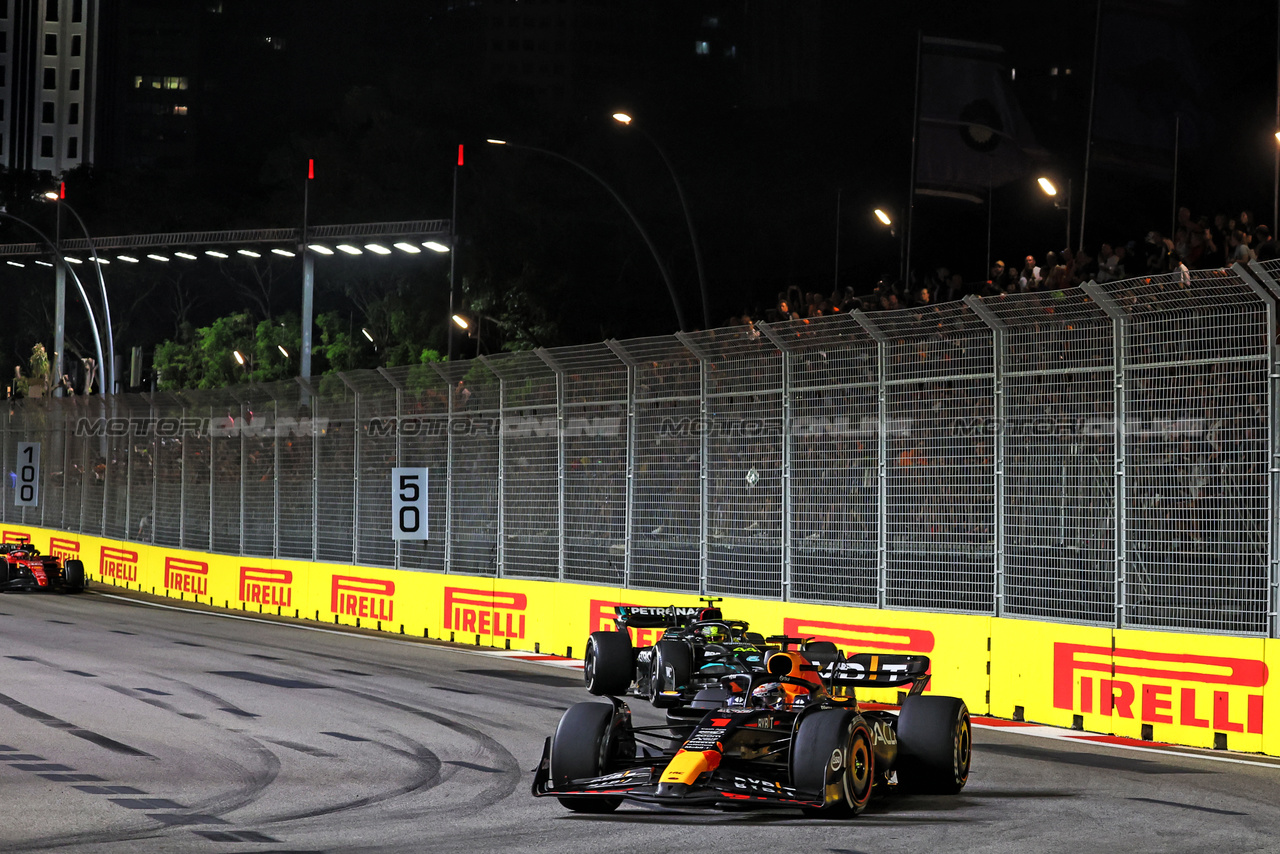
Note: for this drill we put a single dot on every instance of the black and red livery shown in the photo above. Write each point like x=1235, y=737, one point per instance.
x=22, y=567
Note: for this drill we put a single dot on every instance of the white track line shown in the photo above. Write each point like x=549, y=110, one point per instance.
x=560, y=662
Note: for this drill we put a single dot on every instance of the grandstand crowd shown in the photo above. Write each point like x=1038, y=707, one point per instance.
x=1198, y=243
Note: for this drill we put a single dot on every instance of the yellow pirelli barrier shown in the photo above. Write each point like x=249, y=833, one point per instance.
x=1196, y=690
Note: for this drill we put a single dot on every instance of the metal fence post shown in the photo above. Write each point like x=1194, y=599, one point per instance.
x=500, y=550
x=630, y=463
x=1273, y=443
x=998, y=328
x=704, y=558
x=551, y=363
x=386, y=375
x=882, y=455
x=355, y=467
x=1120, y=326
x=786, y=440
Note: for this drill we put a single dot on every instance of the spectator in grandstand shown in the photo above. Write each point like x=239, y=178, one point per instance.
x=1239, y=246
x=1264, y=247
x=1110, y=264
x=1029, y=278
x=1177, y=265
x=1157, y=248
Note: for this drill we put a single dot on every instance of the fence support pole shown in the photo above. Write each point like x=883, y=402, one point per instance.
x=1270, y=296
x=882, y=455
x=1119, y=335
x=630, y=487
x=998, y=329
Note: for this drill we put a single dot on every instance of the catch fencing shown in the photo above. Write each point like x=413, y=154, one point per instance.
x=1103, y=455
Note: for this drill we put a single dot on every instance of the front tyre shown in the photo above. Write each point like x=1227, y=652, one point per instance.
x=585, y=745
x=607, y=665
x=832, y=757
x=73, y=572
x=935, y=745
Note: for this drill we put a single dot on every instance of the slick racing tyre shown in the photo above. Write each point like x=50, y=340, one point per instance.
x=934, y=745
x=832, y=757
x=73, y=572
x=672, y=667
x=586, y=744
x=608, y=665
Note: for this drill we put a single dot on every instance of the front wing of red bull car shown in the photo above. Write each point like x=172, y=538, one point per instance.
x=22, y=567
x=787, y=737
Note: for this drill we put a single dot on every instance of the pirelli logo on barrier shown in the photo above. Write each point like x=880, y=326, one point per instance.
x=363, y=597
x=485, y=612
x=186, y=576
x=862, y=638
x=16, y=537
x=272, y=587
x=1206, y=691
x=119, y=564
x=63, y=548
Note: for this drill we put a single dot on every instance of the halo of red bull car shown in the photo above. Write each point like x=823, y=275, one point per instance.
x=23, y=567
x=752, y=722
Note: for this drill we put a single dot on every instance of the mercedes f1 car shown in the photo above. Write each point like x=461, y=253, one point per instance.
x=696, y=649
x=22, y=567
x=790, y=736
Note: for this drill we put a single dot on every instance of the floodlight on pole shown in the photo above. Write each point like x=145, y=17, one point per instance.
x=653, y=249
x=109, y=368
x=883, y=217
x=628, y=121
x=1052, y=191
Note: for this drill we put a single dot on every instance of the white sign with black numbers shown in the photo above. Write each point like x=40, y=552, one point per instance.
x=27, y=478
x=408, y=504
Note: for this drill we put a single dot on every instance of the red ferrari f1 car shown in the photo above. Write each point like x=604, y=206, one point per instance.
x=22, y=567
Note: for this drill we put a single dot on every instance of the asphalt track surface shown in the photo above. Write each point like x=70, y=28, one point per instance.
x=130, y=728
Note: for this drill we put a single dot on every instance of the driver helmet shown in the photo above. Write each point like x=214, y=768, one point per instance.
x=714, y=633
x=770, y=695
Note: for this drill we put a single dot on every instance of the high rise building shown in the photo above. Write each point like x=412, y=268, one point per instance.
x=48, y=83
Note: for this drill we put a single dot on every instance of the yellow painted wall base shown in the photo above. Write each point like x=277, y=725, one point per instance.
x=1196, y=690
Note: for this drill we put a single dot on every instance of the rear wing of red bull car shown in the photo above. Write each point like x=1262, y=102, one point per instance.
x=878, y=670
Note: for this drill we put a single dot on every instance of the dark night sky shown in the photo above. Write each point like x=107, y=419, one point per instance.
x=383, y=110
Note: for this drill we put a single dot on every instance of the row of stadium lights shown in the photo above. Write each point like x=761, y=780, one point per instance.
x=318, y=248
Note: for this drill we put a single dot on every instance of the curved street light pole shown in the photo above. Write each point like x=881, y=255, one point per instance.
x=108, y=368
x=84, y=297
x=662, y=268
x=629, y=121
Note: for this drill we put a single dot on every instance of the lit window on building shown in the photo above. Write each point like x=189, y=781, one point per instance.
x=701, y=48
x=179, y=110
x=137, y=81
x=50, y=44
x=50, y=78
x=46, y=146
x=174, y=83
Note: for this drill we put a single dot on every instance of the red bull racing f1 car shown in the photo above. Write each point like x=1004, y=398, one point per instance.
x=789, y=736
x=22, y=567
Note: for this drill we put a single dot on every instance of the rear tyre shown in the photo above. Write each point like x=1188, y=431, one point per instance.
x=586, y=744
x=607, y=665
x=672, y=667
x=832, y=757
x=73, y=572
x=4, y=574
x=934, y=745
